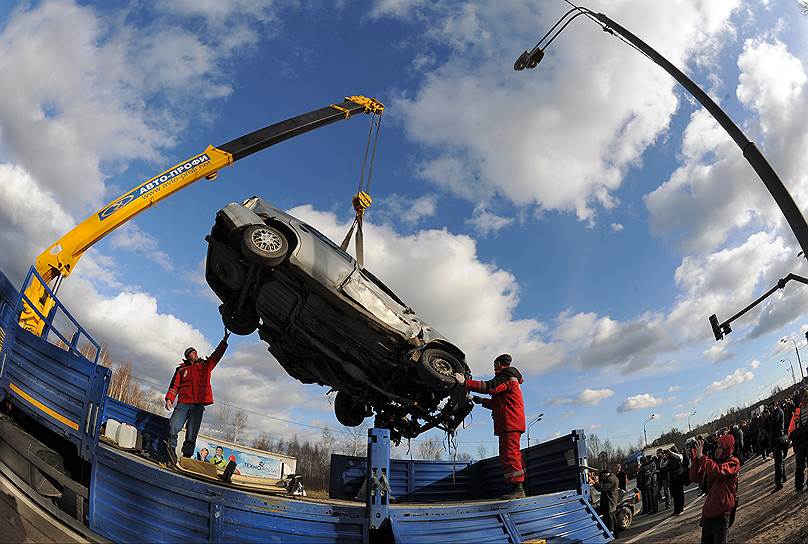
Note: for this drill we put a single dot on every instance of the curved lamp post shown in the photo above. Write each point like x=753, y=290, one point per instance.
x=535, y=420
x=793, y=215
x=644, y=431
x=793, y=376
x=690, y=430
x=799, y=361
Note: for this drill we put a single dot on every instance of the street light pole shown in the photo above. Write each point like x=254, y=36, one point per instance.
x=644, y=431
x=535, y=420
x=793, y=376
x=690, y=430
x=799, y=361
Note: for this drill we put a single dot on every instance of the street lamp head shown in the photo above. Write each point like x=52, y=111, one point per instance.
x=529, y=59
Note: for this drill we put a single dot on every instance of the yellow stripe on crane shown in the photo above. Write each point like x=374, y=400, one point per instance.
x=54, y=414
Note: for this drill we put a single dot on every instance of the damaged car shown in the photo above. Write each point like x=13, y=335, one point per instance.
x=329, y=321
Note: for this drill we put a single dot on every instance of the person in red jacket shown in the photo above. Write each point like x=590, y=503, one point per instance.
x=189, y=393
x=719, y=480
x=508, y=411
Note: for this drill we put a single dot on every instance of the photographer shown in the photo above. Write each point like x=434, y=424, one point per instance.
x=719, y=480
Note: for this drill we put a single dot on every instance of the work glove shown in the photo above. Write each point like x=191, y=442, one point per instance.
x=476, y=400
x=169, y=404
x=459, y=378
x=226, y=334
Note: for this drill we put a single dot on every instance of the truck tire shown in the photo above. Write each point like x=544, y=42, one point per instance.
x=437, y=367
x=349, y=412
x=264, y=244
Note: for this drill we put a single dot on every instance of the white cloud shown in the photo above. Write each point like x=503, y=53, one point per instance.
x=638, y=402
x=731, y=380
x=408, y=211
x=485, y=222
x=754, y=364
x=717, y=353
x=631, y=99
x=590, y=397
x=673, y=388
x=595, y=426
x=681, y=415
x=132, y=238
x=617, y=227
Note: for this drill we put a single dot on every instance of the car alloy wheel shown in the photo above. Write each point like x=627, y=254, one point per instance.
x=264, y=244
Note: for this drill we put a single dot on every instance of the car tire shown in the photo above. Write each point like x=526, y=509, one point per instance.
x=624, y=518
x=242, y=325
x=437, y=368
x=264, y=244
x=348, y=411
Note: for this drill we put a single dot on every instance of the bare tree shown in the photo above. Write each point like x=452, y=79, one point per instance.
x=430, y=449
x=356, y=441
x=804, y=5
x=263, y=442
x=482, y=452
x=237, y=426
x=221, y=421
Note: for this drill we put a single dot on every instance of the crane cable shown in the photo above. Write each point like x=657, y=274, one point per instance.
x=362, y=200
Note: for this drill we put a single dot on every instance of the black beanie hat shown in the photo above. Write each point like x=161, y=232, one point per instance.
x=503, y=359
x=187, y=351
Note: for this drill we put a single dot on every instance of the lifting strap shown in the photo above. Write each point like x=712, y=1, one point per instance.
x=362, y=200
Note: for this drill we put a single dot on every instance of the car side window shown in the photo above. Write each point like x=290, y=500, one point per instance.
x=338, y=250
x=382, y=286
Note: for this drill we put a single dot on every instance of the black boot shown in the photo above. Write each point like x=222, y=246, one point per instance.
x=518, y=492
x=172, y=454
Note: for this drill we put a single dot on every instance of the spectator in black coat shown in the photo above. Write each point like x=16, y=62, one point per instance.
x=675, y=467
x=606, y=482
x=778, y=443
x=622, y=477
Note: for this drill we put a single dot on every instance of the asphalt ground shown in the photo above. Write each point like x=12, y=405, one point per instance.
x=763, y=515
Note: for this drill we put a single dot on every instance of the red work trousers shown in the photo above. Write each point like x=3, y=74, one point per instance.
x=510, y=457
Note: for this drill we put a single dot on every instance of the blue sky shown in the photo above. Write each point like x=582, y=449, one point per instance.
x=586, y=216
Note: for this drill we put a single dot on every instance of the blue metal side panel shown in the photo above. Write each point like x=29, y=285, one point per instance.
x=564, y=517
x=8, y=292
x=413, y=481
x=63, y=382
x=132, y=500
x=150, y=426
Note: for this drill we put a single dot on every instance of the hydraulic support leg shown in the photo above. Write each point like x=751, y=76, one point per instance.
x=378, y=485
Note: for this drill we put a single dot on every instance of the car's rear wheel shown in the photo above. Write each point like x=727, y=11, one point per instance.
x=263, y=244
x=437, y=368
x=241, y=325
x=349, y=412
x=624, y=518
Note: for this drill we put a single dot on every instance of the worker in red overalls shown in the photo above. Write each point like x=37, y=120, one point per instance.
x=190, y=388
x=508, y=410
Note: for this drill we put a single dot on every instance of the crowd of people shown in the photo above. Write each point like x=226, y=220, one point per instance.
x=714, y=461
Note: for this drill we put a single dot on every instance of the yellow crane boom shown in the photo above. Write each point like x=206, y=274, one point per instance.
x=60, y=258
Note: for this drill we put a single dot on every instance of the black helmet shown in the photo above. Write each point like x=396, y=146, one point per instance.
x=187, y=351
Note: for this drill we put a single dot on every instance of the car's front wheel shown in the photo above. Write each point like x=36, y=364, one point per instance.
x=624, y=518
x=437, y=368
x=349, y=412
x=263, y=244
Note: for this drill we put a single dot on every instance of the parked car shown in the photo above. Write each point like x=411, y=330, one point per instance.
x=329, y=321
x=629, y=502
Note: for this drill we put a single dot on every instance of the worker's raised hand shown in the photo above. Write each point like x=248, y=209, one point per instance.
x=169, y=404
x=226, y=334
x=459, y=378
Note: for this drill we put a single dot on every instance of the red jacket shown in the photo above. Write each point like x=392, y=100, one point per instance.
x=191, y=382
x=506, y=404
x=722, y=479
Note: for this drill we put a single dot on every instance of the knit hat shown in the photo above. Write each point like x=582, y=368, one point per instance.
x=187, y=351
x=504, y=359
